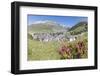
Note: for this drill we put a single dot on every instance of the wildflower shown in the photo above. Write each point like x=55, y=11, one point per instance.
x=65, y=51
x=80, y=48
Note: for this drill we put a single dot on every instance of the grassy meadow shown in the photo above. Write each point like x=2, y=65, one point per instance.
x=56, y=50
x=43, y=50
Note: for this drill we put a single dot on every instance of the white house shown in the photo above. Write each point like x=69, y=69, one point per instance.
x=71, y=38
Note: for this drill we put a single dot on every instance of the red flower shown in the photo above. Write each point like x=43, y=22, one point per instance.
x=80, y=46
x=65, y=50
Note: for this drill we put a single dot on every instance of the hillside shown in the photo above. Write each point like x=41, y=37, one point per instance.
x=46, y=26
x=79, y=28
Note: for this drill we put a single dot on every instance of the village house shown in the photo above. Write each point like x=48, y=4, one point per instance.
x=57, y=36
x=71, y=38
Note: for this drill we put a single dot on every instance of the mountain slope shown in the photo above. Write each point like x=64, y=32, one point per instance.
x=46, y=26
x=79, y=28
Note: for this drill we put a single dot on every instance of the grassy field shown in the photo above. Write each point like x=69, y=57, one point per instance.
x=50, y=50
x=43, y=50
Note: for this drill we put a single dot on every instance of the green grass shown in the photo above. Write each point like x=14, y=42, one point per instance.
x=43, y=50
x=49, y=50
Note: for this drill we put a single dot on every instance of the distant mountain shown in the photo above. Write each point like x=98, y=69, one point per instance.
x=46, y=26
x=79, y=28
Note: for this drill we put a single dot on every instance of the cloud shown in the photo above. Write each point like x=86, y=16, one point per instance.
x=36, y=22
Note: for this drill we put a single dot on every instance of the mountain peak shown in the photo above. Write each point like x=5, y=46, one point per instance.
x=46, y=21
x=46, y=26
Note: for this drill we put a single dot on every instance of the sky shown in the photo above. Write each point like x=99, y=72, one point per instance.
x=63, y=20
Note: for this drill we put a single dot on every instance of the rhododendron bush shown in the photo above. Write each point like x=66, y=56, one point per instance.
x=73, y=50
